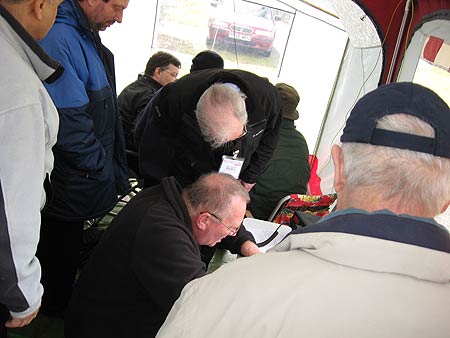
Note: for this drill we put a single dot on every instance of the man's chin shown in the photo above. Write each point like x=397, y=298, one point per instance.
x=105, y=26
x=211, y=245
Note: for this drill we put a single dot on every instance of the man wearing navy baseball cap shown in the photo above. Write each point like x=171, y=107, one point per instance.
x=377, y=267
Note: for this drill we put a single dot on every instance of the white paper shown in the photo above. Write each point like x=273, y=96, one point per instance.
x=262, y=230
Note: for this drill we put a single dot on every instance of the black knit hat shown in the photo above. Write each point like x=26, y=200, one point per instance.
x=206, y=60
x=401, y=97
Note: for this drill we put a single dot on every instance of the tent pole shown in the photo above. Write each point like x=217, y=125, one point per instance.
x=319, y=8
x=397, y=44
x=154, y=25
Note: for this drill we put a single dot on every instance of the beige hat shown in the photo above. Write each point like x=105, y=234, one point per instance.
x=289, y=101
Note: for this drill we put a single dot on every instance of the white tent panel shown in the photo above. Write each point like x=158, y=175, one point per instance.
x=131, y=40
x=361, y=31
x=311, y=63
x=360, y=73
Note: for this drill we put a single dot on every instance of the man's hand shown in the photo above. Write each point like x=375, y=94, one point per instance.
x=249, y=248
x=19, y=322
x=247, y=186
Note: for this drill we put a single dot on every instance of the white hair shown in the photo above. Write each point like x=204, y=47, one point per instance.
x=412, y=178
x=214, y=124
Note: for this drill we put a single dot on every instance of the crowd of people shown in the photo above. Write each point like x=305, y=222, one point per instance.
x=209, y=147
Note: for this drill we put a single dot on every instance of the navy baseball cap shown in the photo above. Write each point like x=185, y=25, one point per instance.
x=400, y=97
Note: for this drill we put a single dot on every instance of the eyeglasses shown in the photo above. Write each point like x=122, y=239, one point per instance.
x=244, y=131
x=233, y=231
x=174, y=75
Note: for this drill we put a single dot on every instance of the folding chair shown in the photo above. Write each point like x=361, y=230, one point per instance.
x=94, y=228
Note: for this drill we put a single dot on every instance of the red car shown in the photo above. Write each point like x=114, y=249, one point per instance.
x=245, y=24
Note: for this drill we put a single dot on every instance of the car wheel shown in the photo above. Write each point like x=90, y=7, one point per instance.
x=267, y=53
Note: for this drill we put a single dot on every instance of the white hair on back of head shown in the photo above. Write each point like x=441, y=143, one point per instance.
x=214, y=124
x=413, y=178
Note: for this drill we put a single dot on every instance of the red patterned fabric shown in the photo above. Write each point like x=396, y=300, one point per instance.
x=317, y=205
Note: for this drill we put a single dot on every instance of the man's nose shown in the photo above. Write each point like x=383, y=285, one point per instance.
x=118, y=17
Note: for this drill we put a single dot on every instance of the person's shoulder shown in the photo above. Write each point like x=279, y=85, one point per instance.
x=165, y=228
x=62, y=35
x=175, y=95
x=297, y=134
x=61, y=31
x=129, y=88
x=255, y=77
x=17, y=77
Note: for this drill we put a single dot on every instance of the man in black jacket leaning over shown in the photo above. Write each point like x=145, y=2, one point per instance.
x=192, y=123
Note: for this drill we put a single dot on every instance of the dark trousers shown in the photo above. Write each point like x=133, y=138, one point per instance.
x=59, y=254
x=4, y=317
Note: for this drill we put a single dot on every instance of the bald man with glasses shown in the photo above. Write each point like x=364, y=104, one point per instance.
x=149, y=253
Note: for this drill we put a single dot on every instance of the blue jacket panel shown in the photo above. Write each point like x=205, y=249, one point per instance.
x=90, y=166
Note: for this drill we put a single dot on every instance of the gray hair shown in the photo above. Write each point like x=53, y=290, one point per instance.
x=415, y=179
x=214, y=124
x=213, y=192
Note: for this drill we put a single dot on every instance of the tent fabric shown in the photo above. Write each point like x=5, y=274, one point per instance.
x=388, y=15
x=438, y=28
x=363, y=69
x=437, y=52
x=359, y=74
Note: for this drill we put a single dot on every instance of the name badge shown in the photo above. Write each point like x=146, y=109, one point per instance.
x=231, y=165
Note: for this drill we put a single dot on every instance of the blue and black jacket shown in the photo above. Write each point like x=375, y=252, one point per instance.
x=90, y=164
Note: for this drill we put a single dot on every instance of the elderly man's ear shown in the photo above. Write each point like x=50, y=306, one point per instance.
x=202, y=221
x=446, y=205
x=338, y=160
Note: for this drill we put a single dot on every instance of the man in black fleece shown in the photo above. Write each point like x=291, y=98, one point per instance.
x=150, y=252
x=191, y=124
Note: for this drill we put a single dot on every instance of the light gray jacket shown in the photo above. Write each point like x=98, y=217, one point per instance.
x=28, y=130
x=326, y=284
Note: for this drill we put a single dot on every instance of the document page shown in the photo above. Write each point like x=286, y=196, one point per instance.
x=263, y=230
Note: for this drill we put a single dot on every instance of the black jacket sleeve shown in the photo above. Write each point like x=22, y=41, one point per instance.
x=152, y=135
x=263, y=132
x=234, y=243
